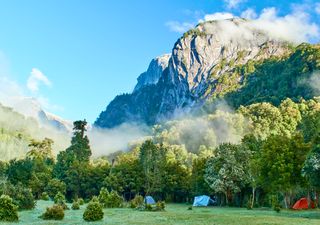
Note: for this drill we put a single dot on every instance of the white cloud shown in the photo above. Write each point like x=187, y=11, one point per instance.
x=317, y=8
x=231, y=4
x=249, y=14
x=218, y=16
x=35, y=79
x=295, y=27
x=176, y=26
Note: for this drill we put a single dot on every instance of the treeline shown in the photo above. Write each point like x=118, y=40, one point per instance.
x=273, y=161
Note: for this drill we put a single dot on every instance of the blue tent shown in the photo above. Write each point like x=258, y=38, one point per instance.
x=202, y=200
x=149, y=200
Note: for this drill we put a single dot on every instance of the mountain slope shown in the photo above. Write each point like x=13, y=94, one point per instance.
x=207, y=63
x=16, y=131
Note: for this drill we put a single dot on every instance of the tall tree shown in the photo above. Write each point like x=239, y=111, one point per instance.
x=226, y=172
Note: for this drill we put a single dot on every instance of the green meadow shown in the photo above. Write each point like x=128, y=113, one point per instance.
x=177, y=214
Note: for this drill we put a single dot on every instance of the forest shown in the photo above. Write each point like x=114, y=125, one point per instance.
x=258, y=156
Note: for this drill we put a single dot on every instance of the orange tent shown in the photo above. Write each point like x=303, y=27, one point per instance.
x=302, y=203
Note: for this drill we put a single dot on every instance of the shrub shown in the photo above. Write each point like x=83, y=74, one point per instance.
x=160, y=206
x=81, y=201
x=136, y=202
x=59, y=199
x=21, y=196
x=110, y=200
x=114, y=200
x=45, y=196
x=53, y=213
x=148, y=207
x=93, y=212
x=103, y=197
x=275, y=203
x=54, y=186
x=8, y=210
x=75, y=205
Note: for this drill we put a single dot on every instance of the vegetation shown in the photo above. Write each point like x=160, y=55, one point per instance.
x=93, y=212
x=179, y=214
x=55, y=212
x=8, y=210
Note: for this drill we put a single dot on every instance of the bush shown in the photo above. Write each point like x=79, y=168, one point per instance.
x=93, y=212
x=53, y=213
x=59, y=199
x=75, y=205
x=45, y=196
x=148, y=207
x=275, y=203
x=103, y=197
x=110, y=200
x=54, y=186
x=136, y=202
x=81, y=201
x=8, y=210
x=160, y=206
x=21, y=196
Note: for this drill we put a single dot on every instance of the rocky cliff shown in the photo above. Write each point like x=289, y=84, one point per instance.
x=207, y=62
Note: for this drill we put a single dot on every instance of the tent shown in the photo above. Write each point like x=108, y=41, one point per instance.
x=202, y=200
x=302, y=203
x=149, y=200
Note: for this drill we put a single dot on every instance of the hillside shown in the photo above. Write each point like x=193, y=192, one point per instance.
x=209, y=63
x=17, y=130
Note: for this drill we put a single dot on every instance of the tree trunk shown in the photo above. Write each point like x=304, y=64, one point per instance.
x=226, y=194
x=253, y=198
x=285, y=200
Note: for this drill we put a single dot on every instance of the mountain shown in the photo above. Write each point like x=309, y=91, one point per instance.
x=227, y=59
x=31, y=108
x=17, y=130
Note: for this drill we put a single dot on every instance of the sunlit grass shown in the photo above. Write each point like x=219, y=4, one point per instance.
x=179, y=214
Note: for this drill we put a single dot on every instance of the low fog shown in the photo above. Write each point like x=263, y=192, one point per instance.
x=107, y=141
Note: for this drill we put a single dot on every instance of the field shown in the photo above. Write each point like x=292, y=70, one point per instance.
x=179, y=214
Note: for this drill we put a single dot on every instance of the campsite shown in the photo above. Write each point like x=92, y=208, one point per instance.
x=179, y=214
x=184, y=112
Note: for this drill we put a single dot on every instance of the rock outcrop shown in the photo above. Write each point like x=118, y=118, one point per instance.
x=191, y=74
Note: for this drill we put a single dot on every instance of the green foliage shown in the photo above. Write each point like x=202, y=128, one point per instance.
x=292, y=80
x=59, y=198
x=45, y=196
x=160, y=206
x=110, y=200
x=20, y=171
x=137, y=201
x=55, y=212
x=54, y=187
x=22, y=196
x=311, y=168
x=194, y=33
x=81, y=201
x=93, y=212
x=226, y=172
x=75, y=205
x=8, y=210
x=148, y=207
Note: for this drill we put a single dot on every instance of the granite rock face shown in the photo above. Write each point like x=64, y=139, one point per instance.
x=154, y=72
x=188, y=76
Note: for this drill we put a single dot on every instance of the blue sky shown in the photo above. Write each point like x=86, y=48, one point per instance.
x=78, y=55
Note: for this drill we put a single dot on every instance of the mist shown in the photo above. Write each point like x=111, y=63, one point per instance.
x=106, y=141
x=221, y=125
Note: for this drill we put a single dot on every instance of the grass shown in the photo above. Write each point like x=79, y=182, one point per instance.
x=178, y=214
